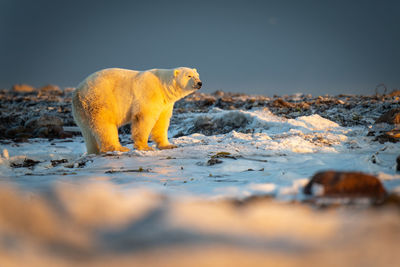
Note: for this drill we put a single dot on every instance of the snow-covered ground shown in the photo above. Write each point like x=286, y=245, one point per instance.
x=276, y=157
x=166, y=205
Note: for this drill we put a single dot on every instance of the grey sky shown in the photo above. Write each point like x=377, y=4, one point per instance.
x=257, y=47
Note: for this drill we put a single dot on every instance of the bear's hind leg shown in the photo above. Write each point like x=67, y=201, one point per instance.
x=107, y=137
x=91, y=144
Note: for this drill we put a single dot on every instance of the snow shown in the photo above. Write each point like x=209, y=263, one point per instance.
x=267, y=155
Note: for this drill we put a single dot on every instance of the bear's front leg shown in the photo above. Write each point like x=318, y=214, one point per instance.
x=159, y=132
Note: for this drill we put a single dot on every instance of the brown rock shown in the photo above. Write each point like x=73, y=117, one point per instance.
x=394, y=93
x=390, y=136
x=50, y=90
x=218, y=93
x=304, y=105
x=69, y=90
x=280, y=103
x=23, y=88
x=346, y=184
x=391, y=117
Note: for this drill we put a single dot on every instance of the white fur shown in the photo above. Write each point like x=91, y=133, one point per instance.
x=111, y=98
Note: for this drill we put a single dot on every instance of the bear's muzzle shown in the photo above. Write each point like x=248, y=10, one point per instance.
x=198, y=85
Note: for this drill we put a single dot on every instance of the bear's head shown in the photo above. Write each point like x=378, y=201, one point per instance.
x=187, y=79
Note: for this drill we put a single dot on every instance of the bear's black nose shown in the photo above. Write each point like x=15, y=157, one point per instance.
x=199, y=83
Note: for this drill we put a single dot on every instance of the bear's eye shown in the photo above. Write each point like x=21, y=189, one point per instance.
x=189, y=76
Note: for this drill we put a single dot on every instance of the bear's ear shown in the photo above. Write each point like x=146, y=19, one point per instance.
x=176, y=72
x=194, y=70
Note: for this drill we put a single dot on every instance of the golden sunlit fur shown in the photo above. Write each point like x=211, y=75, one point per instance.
x=111, y=98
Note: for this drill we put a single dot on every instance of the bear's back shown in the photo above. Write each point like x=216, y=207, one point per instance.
x=106, y=78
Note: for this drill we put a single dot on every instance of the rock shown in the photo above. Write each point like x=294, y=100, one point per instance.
x=23, y=136
x=304, y=105
x=213, y=161
x=50, y=90
x=43, y=121
x=207, y=102
x=22, y=88
x=69, y=90
x=51, y=132
x=223, y=154
x=47, y=126
x=41, y=132
x=391, y=117
x=218, y=93
x=392, y=136
x=57, y=162
x=225, y=103
x=345, y=184
x=394, y=93
x=27, y=163
x=210, y=126
x=12, y=132
x=280, y=103
x=2, y=131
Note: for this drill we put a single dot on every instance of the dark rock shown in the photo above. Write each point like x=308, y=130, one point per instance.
x=64, y=135
x=20, y=140
x=56, y=162
x=12, y=132
x=398, y=164
x=213, y=161
x=210, y=126
x=47, y=126
x=41, y=132
x=391, y=117
x=225, y=103
x=22, y=88
x=27, y=163
x=2, y=131
x=24, y=136
x=207, y=102
x=346, y=184
x=43, y=121
x=223, y=154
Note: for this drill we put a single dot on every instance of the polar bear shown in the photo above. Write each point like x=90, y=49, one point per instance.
x=110, y=98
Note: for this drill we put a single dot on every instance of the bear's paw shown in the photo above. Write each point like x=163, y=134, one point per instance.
x=170, y=146
x=144, y=148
